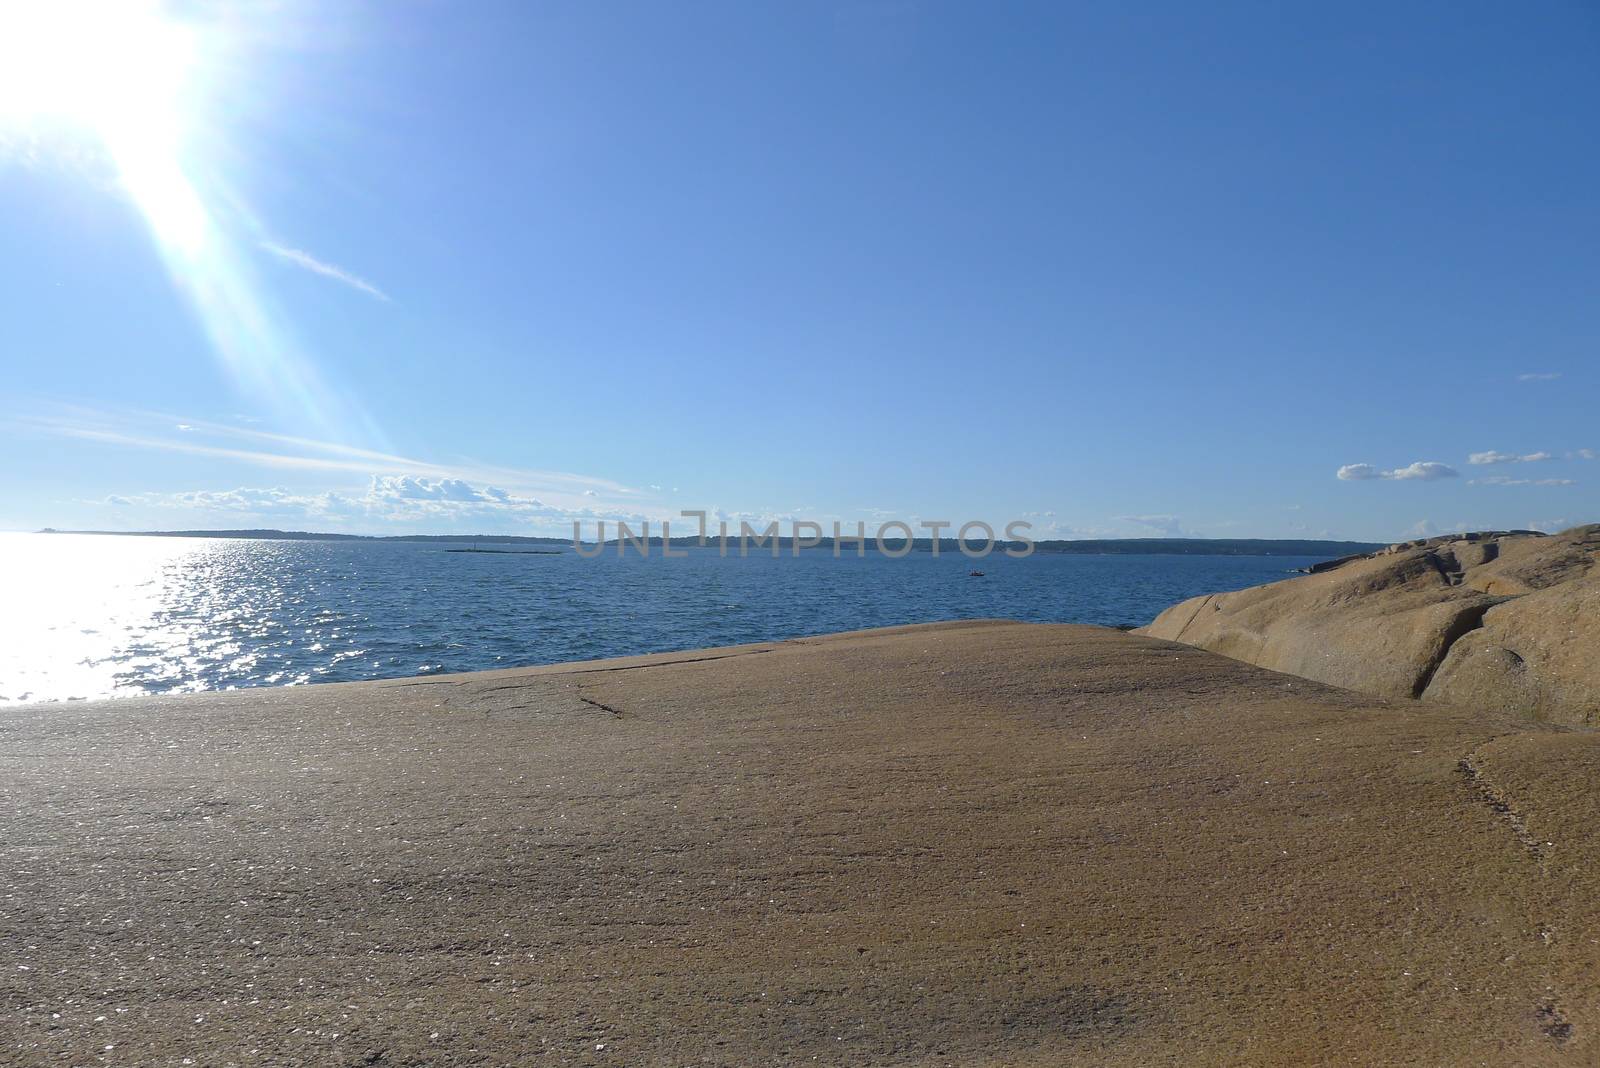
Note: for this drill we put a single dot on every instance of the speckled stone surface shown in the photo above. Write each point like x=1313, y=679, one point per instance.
x=962, y=844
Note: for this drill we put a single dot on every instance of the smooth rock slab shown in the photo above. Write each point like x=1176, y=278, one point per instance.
x=1505, y=621
x=969, y=844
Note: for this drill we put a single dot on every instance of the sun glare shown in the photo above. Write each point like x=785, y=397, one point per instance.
x=94, y=62
x=119, y=73
x=134, y=81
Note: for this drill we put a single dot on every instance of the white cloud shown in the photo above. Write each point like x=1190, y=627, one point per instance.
x=1422, y=470
x=244, y=500
x=1047, y=525
x=1545, y=376
x=1166, y=524
x=1583, y=454
x=307, y=261
x=388, y=500
x=1507, y=480
x=1495, y=457
x=262, y=448
x=455, y=490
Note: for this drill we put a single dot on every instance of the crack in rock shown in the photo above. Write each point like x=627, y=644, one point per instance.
x=1194, y=615
x=1502, y=806
x=617, y=712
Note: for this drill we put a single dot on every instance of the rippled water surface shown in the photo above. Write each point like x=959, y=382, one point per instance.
x=94, y=616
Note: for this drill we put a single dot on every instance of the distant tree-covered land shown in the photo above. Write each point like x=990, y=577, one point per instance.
x=1101, y=546
x=1121, y=546
x=1213, y=546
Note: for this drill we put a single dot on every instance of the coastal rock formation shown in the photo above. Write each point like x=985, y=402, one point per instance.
x=1502, y=620
x=975, y=844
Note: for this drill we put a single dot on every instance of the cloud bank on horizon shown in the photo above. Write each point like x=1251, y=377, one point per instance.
x=420, y=495
x=388, y=499
x=1168, y=525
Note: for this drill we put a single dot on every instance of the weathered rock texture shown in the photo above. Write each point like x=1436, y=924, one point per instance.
x=979, y=845
x=1508, y=621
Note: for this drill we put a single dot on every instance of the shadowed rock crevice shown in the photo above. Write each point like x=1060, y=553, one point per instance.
x=1470, y=619
x=1445, y=563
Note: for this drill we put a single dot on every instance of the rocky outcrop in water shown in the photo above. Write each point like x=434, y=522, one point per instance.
x=1505, y=620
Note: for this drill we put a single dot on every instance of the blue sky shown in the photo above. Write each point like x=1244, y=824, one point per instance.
x=1117, y=269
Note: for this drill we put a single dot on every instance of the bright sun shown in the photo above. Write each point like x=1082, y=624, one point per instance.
x=103, y=64
x=136, y=83
x=118, y=71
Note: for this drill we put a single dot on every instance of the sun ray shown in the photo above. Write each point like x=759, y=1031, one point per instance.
x=133, y=76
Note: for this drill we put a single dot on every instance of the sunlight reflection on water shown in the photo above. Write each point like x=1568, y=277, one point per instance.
x=95, y=617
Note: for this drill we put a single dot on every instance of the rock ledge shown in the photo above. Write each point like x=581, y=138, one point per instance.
x=1505, y=620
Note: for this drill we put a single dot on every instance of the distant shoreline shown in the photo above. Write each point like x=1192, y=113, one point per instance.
x=1086, y=547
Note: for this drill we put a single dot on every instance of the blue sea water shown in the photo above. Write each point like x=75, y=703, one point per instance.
x=96, y=616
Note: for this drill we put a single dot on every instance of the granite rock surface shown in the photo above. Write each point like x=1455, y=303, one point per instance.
x=1501, y=620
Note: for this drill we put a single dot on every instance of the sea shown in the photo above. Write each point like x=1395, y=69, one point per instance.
x=89, y=616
